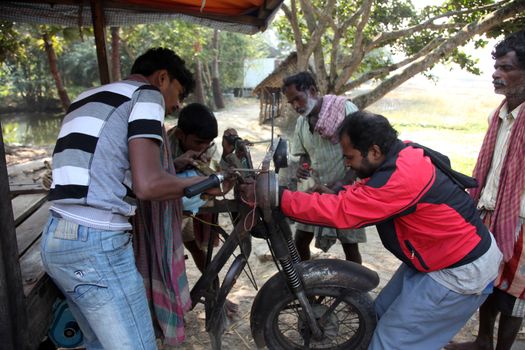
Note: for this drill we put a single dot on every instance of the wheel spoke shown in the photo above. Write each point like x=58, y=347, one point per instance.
x=339, y=318
x=332, y=307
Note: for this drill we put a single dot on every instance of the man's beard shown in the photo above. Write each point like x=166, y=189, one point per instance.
x=310, y=105
x=365, y=170
x=501, y=88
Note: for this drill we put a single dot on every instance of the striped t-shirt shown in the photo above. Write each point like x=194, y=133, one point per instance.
x=91, y=169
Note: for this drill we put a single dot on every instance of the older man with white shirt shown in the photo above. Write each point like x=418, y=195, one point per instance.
x=500, y=170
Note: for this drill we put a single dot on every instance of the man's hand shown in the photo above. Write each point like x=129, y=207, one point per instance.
x=186, y=160
x=227, y=146
x=320, y=189
x=302, y=173
x=247, y=191
x=230, y=179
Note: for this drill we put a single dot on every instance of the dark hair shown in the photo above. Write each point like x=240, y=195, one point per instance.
x=514, y=42
x=302, y=81
x=197, y=119
x=366, y=129
x=161, y=58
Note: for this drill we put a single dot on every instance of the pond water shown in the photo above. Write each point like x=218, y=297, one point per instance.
x=29, y=128
x=35, y=129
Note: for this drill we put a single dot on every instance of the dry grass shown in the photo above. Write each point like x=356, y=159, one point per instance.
x=450, y=119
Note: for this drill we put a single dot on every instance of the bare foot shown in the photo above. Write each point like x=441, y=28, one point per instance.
x=466, y=346
x=231, y=308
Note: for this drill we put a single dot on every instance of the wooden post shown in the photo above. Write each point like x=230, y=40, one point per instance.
x=99, y=28
x=261, y=106
x=13, y=316
x=115, y=54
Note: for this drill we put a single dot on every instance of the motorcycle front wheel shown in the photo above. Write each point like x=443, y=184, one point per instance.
x=348, y=321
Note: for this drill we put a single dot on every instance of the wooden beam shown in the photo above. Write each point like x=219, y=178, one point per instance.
x=13, y=317
x=30, y=230
x=25, y=205
x=99, y=28
x=28, y=188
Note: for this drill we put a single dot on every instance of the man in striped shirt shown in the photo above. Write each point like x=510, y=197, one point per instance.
x=109, y=146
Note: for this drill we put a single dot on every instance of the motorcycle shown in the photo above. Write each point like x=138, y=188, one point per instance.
x=316, y=304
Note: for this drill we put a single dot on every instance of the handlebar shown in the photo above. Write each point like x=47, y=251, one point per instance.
x=214, y=180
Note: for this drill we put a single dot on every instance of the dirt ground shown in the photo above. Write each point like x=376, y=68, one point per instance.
x=243, y=116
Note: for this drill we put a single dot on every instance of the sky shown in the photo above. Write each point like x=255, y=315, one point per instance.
x=486, y=63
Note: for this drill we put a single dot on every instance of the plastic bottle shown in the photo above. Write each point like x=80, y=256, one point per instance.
x=304, y=185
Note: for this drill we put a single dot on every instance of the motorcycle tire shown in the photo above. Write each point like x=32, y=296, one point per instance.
x=350, y=326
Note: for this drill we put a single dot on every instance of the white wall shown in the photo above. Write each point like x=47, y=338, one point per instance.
x=256, y=70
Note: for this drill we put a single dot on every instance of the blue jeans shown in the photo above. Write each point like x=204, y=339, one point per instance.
x=96, y=272
x=415, y=312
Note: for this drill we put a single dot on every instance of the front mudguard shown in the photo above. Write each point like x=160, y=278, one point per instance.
x=323, y=272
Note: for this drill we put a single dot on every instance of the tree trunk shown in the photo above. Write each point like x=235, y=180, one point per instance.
x=127, y=50
x=115, y=54
x=199, y=86
x=200, y=97
x=215, y=82
x=52, y=58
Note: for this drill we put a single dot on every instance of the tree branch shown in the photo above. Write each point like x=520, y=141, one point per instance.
x=292, y=18
x=357, y=51
x=443, y=50
x=385, y=70
x=323, y=79
x=317, y=29
x=429, y=24
x=338, y=35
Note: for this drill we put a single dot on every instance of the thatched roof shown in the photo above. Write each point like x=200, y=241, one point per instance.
x=275, y=79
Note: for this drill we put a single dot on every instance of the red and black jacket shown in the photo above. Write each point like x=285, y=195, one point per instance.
x=422, y=215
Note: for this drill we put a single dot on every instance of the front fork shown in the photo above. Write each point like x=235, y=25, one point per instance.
x=286, y=253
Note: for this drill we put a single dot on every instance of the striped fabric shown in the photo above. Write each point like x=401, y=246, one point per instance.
x=511, y=182
x=512, y=275
x=331, y=116
x=159, y=254
x=90, y=160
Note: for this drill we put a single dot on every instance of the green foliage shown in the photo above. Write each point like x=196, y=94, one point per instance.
x=191, y=41
x=9, y=44
x=26, y=76
x=25, y=79
x=389, y=15
x=9, y=131
x=76, y=75
x=176, y=35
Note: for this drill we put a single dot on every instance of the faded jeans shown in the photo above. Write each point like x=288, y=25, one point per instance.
x=96, y=272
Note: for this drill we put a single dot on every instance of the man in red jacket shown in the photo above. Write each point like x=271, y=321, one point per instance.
x=424, y=217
